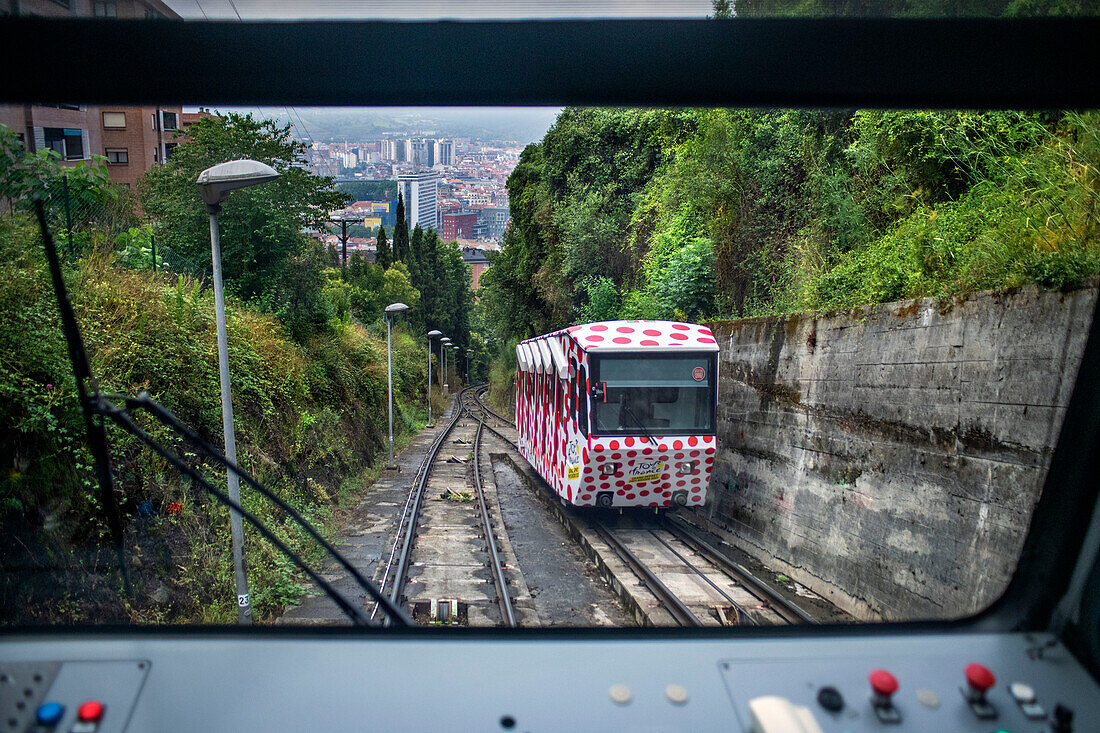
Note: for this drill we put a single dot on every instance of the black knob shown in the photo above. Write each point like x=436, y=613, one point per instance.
x=830, y=699
x=1063, y=719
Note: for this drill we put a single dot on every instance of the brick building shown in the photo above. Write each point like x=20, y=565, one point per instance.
x=455, y=226
x=132, y=139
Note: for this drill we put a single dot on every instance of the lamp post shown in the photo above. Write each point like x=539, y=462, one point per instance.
x=215, y=184
x=431, y=334
x=391, y=310
x=444, y=342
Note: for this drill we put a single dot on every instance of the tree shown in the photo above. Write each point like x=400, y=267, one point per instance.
x=263, y=247
x=397, y=288
x=722, y=9
x=382, y=256
x=416, y=254
x=401, y=232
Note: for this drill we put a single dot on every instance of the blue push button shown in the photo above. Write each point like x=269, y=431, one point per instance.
x=49, y=713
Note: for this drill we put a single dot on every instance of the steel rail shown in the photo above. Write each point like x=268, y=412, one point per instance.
x=742, y=614
x=494, y=554
x=420, y=482
x=774, y=600
x=491, y=411
x=671, y=601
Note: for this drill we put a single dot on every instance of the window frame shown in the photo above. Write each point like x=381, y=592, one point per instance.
x=596, y=359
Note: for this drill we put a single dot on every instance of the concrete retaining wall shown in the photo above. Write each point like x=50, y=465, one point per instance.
x=890, y=457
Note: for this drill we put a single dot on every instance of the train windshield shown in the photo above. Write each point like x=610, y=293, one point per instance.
x=665, y=395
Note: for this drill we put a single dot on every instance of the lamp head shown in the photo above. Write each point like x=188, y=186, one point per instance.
x=434, y=332
x=393, y=308
x=216, y=183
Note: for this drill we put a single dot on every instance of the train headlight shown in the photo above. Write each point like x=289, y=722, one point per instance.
x=687, y=467
x=609, y=469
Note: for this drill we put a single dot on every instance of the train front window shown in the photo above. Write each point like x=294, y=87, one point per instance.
x=664, y=395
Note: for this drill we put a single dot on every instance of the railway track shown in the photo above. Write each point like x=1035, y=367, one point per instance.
x=697, y=583
x=446, y=539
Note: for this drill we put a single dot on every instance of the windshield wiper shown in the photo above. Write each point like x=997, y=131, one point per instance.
x=625, y=408
x=95, y=402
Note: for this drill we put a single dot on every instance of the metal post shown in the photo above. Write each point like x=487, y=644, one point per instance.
x=444, y=371
x=389, y=374
x=344, y=241
x=153, y=245
x=236, y=531
x=68, y=214
x=429, y=381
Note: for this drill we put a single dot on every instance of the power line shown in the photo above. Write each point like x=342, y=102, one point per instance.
x=234, y=6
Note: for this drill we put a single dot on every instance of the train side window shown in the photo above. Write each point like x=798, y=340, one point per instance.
x=582, y=403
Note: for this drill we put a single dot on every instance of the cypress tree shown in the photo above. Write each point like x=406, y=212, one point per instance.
x=382, y=256
x=401, y=233
x=416, y=256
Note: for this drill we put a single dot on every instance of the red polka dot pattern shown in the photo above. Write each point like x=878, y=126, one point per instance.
x=546, y=438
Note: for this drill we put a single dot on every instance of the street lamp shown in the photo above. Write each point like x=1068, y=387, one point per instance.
x=445, y=341
x=431, y=334
x=391, y=310
x=215, y=184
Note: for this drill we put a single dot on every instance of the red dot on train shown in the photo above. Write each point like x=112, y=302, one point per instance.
x=616, y=456
x=605, y=486
x=693, y=440
x=694, y=454
x=620, y=492
x=681, y=327
x=647, y=451
x=593, y=337
x=621, y=340
x=681, y=482
x=632, y=454
x=677, y=444
x=625, y=329
x=599, y=327
x=705, y=340
x=629, y=441
x=678, y=455
x=630, y=496
x=613, y=445
x=651, y=332
x=648, y=342
x=643, y=493
x=677, y=336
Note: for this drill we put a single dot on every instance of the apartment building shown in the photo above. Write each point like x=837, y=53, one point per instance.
x=133, y=139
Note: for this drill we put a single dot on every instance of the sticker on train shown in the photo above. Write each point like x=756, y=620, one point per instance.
x=574, y=472
x=642, y=472
x=698, y=374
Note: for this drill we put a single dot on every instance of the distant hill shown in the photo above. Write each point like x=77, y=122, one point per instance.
x=522, y=125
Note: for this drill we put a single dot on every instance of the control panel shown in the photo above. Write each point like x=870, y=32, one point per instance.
x=70, y=696
x=820, y=683
x=882, y=692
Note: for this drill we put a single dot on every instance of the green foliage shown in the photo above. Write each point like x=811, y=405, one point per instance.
x=310, y=412
x=706, y=213
x=266, y=258
x=382, y=256
x=369, y=190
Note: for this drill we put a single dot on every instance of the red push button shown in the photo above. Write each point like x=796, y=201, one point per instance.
x=883, y=683
x=979, y=677
x=90, y=712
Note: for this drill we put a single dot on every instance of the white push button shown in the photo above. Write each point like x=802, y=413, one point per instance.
x=1023, y=693
x=676, y=694
x=773, y=714
x=620, y=694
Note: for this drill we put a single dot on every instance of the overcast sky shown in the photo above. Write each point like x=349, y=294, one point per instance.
x=435, y=9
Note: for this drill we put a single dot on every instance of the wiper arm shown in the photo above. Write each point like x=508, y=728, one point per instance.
x=630, y=413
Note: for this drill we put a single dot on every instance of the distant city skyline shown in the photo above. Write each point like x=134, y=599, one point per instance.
x=521, y=124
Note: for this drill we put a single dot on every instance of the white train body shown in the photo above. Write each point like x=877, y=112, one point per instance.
x=620, y=413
